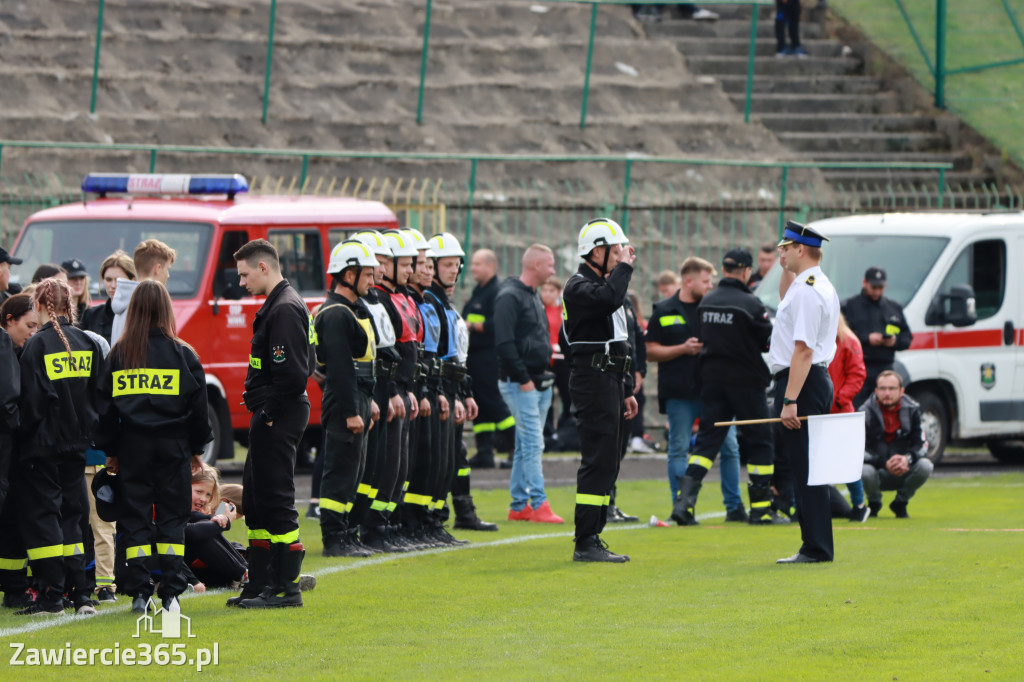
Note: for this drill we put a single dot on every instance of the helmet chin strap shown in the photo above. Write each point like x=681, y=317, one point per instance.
x=603, y=268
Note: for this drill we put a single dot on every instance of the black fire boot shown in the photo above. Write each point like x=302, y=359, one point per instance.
x=376, y=537
x=285, y=569
x=686, y=502
x=761, y=511
x=465, y=514
x=258, y=558
x=593, y=548
x=484, y=457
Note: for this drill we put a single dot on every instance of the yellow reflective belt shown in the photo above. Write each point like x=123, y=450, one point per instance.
x=75, y=549
x=421, y=500
x=593, y=500
x=392, y=506
x=760, y=505
x=287, y=538
x=255, y=363
x=61, y=366
x=506, y=423
x=473, y=318
x=138, y=552
x=332, y=505
x=485, y=427
x=170, y=549
x=463, y=472
x=48, y=552
x=761, y=469
x=379, y=505
x=702, y=462
x=364, y=489
x=16, y=565
x=146, y=381
x=258, y=534
x=669, y=320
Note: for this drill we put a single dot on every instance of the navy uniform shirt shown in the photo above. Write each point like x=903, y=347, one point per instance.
x=672, y=323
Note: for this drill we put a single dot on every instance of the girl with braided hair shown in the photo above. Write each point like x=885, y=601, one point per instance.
x=60, y=370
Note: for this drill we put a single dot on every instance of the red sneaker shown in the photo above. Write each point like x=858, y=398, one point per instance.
x=524, y=514
x=543, y=514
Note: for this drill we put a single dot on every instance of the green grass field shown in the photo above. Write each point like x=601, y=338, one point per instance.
x=933, y=597
x=979, y=32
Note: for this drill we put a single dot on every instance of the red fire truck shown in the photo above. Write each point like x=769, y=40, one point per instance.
x=206, y=219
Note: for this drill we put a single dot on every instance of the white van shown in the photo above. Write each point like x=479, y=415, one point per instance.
x=960, y=280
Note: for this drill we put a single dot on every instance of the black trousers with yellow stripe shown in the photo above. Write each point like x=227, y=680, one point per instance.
x=724, y=402
x=598, y=404
x=13, y=559
x=344, y=461
x=156, y=495
x=418, y=502
x=53, y=490
x=376, y=458
x=491, y=428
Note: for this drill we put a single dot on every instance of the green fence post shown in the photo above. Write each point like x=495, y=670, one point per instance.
x=942, y=185
x=590, y=61
x=782, y=200
x=96, y=59
x=940, y=54
x=423, y=65
x=152, y=160
x=750, y=65
x=469, y=205
x=625, y=196
x=304, y=172
x=270, y=58
x=1, y=157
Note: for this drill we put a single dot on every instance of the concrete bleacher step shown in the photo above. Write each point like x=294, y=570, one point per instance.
x=906, y=177
x=802, y=85
x=731, y=47
x=771, y=66
x=813, y=122
x=725, y=28
x=863, y=142
x=771, y=103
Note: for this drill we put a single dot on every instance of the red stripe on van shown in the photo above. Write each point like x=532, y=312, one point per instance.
x=968, y=338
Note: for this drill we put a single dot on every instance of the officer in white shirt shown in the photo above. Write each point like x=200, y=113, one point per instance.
x=803, y=343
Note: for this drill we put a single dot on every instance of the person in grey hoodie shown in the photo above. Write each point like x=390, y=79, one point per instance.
x=153, y=260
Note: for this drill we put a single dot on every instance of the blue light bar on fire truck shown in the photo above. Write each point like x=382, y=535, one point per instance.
x=163, y=183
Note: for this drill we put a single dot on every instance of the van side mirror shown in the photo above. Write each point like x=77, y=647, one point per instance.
x=225, y=285
x=961, y=310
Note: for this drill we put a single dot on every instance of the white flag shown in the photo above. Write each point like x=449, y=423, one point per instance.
x=835, y=448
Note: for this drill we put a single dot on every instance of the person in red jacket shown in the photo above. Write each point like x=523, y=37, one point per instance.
x=848, y=372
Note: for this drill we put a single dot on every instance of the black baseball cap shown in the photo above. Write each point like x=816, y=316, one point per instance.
x=875, y=276
x=74, y=268
x=738, y=258
x=8, y=258
x=106, y=488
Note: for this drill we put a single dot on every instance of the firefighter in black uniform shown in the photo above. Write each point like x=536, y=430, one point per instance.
x=154, y=418
x=10, y=390
x=736, y=331
x=601, y=382
x=345, y=350
x=60, y=371
x=456, y=384
x=495, y=425
x=879, y=324
x=280, y=363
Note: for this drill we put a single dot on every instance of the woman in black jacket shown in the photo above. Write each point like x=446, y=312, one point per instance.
x=60, y=370
x=154, y=418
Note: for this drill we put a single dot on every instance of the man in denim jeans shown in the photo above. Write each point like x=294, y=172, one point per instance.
x=673, y=340
x=524, y=379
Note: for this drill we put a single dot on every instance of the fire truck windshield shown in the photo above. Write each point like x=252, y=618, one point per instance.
x=91, y=241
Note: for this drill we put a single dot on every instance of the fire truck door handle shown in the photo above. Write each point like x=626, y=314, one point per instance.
x=1008, y=333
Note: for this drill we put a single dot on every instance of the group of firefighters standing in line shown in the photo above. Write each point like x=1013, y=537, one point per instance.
x=390, y=352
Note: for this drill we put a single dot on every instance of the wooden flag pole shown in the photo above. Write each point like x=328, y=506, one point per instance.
x=747, y=422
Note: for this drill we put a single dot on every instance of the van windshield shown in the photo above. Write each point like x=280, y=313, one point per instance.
x=91, y=241
x=906, y=261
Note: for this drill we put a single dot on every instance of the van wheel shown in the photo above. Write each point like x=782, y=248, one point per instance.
x=1007, y=451
x=213, y=447
x=934, y=424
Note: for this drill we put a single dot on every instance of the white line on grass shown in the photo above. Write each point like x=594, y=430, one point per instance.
x=59, y=621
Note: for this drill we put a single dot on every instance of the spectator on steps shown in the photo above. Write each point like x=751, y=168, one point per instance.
x=652, y=14
x=787, y=16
